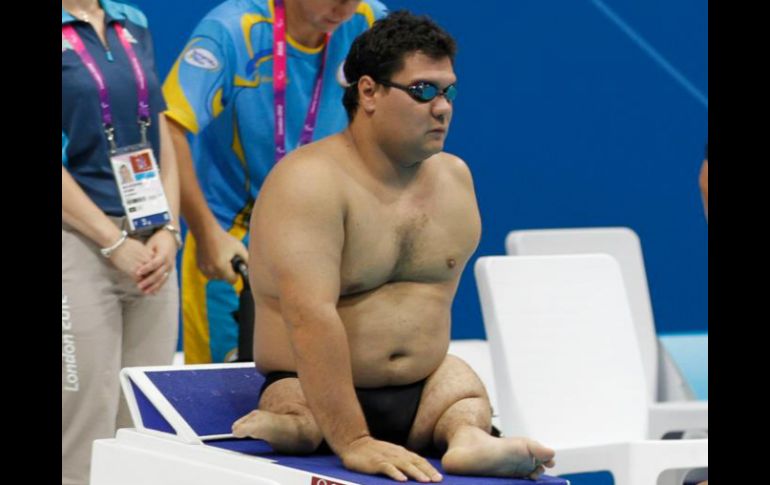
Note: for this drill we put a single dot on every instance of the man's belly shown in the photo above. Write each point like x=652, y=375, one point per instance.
x=397, y=334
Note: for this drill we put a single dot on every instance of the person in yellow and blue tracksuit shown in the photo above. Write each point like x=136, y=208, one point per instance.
x=222, y=94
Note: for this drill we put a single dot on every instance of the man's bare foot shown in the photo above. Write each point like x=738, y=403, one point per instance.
x=251, y=425
x=474, y=452
x=285, y=433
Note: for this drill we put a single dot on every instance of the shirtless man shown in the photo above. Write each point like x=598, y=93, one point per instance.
x=357, y=245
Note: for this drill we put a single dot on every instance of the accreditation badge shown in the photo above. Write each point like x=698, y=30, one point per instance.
x=140, y=187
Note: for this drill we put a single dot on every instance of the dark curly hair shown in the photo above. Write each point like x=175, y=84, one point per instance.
x=379, y=52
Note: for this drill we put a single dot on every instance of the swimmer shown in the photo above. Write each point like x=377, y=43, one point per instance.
x=356, y=249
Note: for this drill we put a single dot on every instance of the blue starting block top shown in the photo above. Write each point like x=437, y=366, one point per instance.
x=198, y=404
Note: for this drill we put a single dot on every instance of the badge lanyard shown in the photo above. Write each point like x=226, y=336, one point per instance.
x=136, y=172
x=279, y=85
x=141, y=82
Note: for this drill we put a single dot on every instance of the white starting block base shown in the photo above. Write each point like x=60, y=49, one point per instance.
x=133, y=458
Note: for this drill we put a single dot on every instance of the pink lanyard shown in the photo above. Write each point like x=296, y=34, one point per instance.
x=68, y=31
x=279, y=85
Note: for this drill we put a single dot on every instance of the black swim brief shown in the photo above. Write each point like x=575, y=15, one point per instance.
x=389, y=411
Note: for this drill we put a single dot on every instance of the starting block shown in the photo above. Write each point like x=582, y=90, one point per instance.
x=182, y=418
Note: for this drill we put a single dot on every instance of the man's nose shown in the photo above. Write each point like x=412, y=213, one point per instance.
x=441, y=107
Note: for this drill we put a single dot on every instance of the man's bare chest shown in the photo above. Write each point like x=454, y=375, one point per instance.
x=406, y=242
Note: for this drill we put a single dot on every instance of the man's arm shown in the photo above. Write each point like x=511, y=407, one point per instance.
x=215, y=247
x=298, y=230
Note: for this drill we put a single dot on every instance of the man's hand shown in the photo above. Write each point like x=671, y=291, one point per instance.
x=154, y=274
x=367, y=455
x=130, y=256
x=215, y=251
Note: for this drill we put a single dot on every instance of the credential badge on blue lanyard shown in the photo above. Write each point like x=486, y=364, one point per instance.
x=134, y=167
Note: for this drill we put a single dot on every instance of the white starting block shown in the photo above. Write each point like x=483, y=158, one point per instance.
x=182, y=418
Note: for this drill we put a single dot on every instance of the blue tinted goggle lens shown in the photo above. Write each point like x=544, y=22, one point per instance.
x=426, y=92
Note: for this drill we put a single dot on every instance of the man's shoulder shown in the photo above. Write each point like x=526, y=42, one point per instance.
x=305, y=184
x=311, y=167
x=447, y=164
x=317, y=156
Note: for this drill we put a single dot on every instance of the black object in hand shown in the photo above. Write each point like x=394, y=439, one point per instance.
x=244, y=315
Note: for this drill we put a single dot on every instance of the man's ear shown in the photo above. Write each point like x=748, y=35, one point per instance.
x=366, y=91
